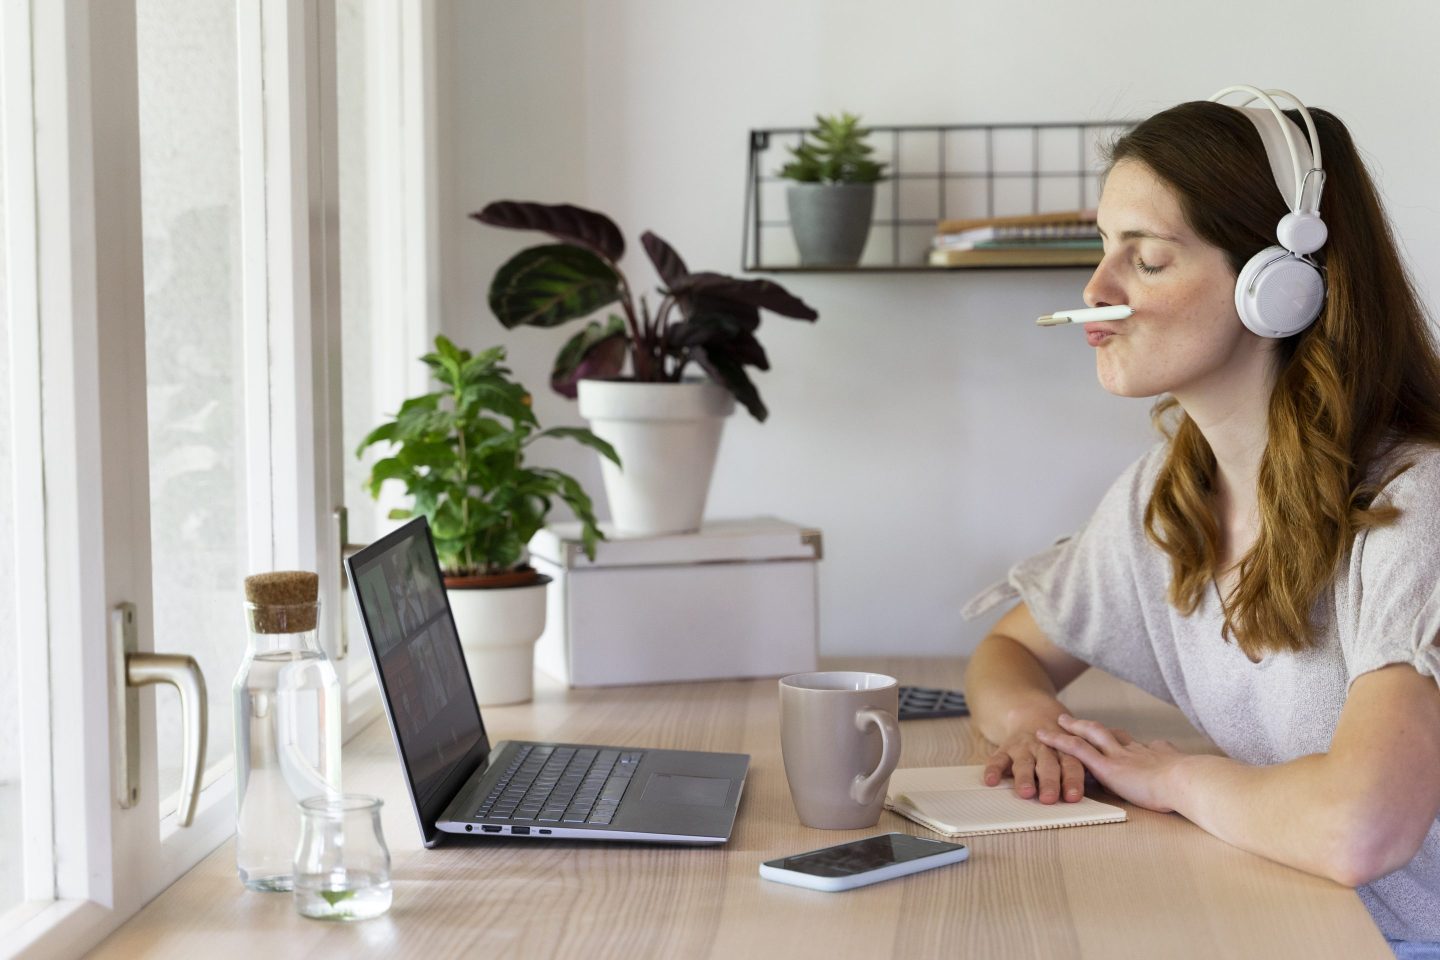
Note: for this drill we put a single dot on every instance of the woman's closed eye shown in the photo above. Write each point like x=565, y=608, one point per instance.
x=1144, y=267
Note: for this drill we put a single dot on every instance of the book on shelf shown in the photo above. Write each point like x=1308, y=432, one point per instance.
x=956, y=802
x=1018, y=256
x=1048, y=233
x=1020, y=220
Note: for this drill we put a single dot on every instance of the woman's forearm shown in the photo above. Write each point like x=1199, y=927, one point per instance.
x=1298, y=813
x=1008, y=689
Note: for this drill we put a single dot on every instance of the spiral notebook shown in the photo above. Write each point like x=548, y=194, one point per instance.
x=956, y=802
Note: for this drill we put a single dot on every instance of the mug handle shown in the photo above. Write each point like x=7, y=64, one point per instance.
x=863, y=789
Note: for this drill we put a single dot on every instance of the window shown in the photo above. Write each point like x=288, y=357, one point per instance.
x=389, y=253
x=11, y=813
x=194, y=363
x=164, y=216
x=360, y=406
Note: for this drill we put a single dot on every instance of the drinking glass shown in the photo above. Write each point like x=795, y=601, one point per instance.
x=342, y=866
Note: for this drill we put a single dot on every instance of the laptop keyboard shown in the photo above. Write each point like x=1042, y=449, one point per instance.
x=549, y=784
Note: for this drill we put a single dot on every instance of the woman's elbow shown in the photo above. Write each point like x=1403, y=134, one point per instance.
x=1371, y=842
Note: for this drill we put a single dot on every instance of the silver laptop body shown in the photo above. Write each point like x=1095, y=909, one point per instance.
x=460, y=784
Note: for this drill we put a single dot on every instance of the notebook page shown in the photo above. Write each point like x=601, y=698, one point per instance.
x=939, y=778
x=955, y=800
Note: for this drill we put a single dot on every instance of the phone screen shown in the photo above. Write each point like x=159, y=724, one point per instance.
x=862, y=856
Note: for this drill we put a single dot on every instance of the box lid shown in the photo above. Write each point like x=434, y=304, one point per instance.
x=717, y=541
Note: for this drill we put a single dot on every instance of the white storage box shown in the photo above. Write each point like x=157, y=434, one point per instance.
x=736, y=599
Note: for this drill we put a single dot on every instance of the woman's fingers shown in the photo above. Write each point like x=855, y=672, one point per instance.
x=1052, y=767
x=1023, y=767
x=1077, y=747
x=996, y=767
x=1096, y=733
x=1047, y=775
x=1072, y=778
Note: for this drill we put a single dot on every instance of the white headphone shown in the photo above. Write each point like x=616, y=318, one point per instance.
x=1280, y=291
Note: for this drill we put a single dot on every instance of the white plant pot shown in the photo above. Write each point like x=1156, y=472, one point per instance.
x=498, y=628
x=667, y=436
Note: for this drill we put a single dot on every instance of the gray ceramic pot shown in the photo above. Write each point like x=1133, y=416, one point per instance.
x=831, y=221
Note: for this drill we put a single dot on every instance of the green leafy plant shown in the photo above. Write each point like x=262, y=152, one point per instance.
x=708, y=319
x=460, y=452
x=838, y=154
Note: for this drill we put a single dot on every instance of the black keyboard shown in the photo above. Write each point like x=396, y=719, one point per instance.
x=549, y=784
x=920, y=702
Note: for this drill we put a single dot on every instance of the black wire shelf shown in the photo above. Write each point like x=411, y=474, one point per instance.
x=933, y=172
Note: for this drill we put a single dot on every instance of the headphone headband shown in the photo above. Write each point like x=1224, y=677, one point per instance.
x=1304, y=170
x=1280, y=290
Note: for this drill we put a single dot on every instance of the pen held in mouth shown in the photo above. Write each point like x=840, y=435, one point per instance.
x=1085, y=315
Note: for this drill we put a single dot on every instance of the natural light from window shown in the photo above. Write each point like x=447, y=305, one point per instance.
x=190, y=194
x=357, y=357
x=11, y=876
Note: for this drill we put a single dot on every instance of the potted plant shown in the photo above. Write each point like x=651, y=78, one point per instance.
x=832, y=200
x=664, y=424
x=460, y=453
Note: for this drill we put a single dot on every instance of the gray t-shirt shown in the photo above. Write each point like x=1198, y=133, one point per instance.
x=1101, y=595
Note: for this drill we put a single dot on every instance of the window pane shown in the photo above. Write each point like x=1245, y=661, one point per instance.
x=11, y=878
x=189, y=168
x=360, y=410
x=356, y=354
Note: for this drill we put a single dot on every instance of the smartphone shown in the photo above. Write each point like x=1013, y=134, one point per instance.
x=861, y=862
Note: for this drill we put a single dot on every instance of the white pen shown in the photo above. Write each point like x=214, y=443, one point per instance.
x=1084, y=315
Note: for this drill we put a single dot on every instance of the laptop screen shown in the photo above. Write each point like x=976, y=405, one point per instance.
x=418, y=660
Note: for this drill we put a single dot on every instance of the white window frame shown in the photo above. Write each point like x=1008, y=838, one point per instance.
x=74, y=304
x=54, y=230
x=17, y=244
x=402, y=147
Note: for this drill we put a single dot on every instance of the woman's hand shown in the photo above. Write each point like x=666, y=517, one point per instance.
x=1137, y=772
x=1039, y=770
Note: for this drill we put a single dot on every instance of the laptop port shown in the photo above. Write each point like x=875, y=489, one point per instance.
x=489, y=828
x=519, y=831
x=543, y=830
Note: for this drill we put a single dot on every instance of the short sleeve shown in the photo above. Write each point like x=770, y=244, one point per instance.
x=1089, y=592
x=1394, y=576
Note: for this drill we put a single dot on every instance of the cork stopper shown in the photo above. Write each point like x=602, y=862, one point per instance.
x=283, y=601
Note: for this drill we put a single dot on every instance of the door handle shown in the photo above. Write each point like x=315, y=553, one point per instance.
x=347, y=549
x=132, y=670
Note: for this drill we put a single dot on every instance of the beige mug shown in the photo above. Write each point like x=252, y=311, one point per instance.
x=841, y=741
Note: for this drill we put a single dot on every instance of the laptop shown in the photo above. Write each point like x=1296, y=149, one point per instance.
x=460, y=783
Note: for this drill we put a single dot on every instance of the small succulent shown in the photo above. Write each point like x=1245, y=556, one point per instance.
x=838, y=154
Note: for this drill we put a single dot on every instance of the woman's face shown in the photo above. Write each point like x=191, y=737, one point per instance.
x=1184, y=337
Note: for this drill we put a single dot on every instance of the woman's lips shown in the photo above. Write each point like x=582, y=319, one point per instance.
x=1097, y=333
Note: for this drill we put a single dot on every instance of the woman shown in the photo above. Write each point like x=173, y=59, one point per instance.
x=1273, y=566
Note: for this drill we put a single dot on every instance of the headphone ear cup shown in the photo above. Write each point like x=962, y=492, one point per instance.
x=1301, y=232
x=1277, y=294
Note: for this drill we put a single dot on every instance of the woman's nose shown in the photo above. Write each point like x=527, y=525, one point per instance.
x=1103, y=290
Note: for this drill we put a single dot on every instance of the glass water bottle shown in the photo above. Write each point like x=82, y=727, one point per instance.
x=287, y=725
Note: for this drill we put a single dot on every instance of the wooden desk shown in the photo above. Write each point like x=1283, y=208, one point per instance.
x=1156, y=886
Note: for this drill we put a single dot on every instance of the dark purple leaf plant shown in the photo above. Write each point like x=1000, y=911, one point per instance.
x=708, y=319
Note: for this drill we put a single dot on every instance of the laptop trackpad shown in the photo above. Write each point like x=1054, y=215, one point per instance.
x=674, y=788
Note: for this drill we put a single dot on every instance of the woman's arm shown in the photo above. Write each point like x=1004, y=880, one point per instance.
x=1010, y=684
x=1353, y=814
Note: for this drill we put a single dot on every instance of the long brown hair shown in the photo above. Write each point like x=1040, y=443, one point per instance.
x=1366, y=374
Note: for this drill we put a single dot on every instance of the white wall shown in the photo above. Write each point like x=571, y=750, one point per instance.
x=924, y=424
